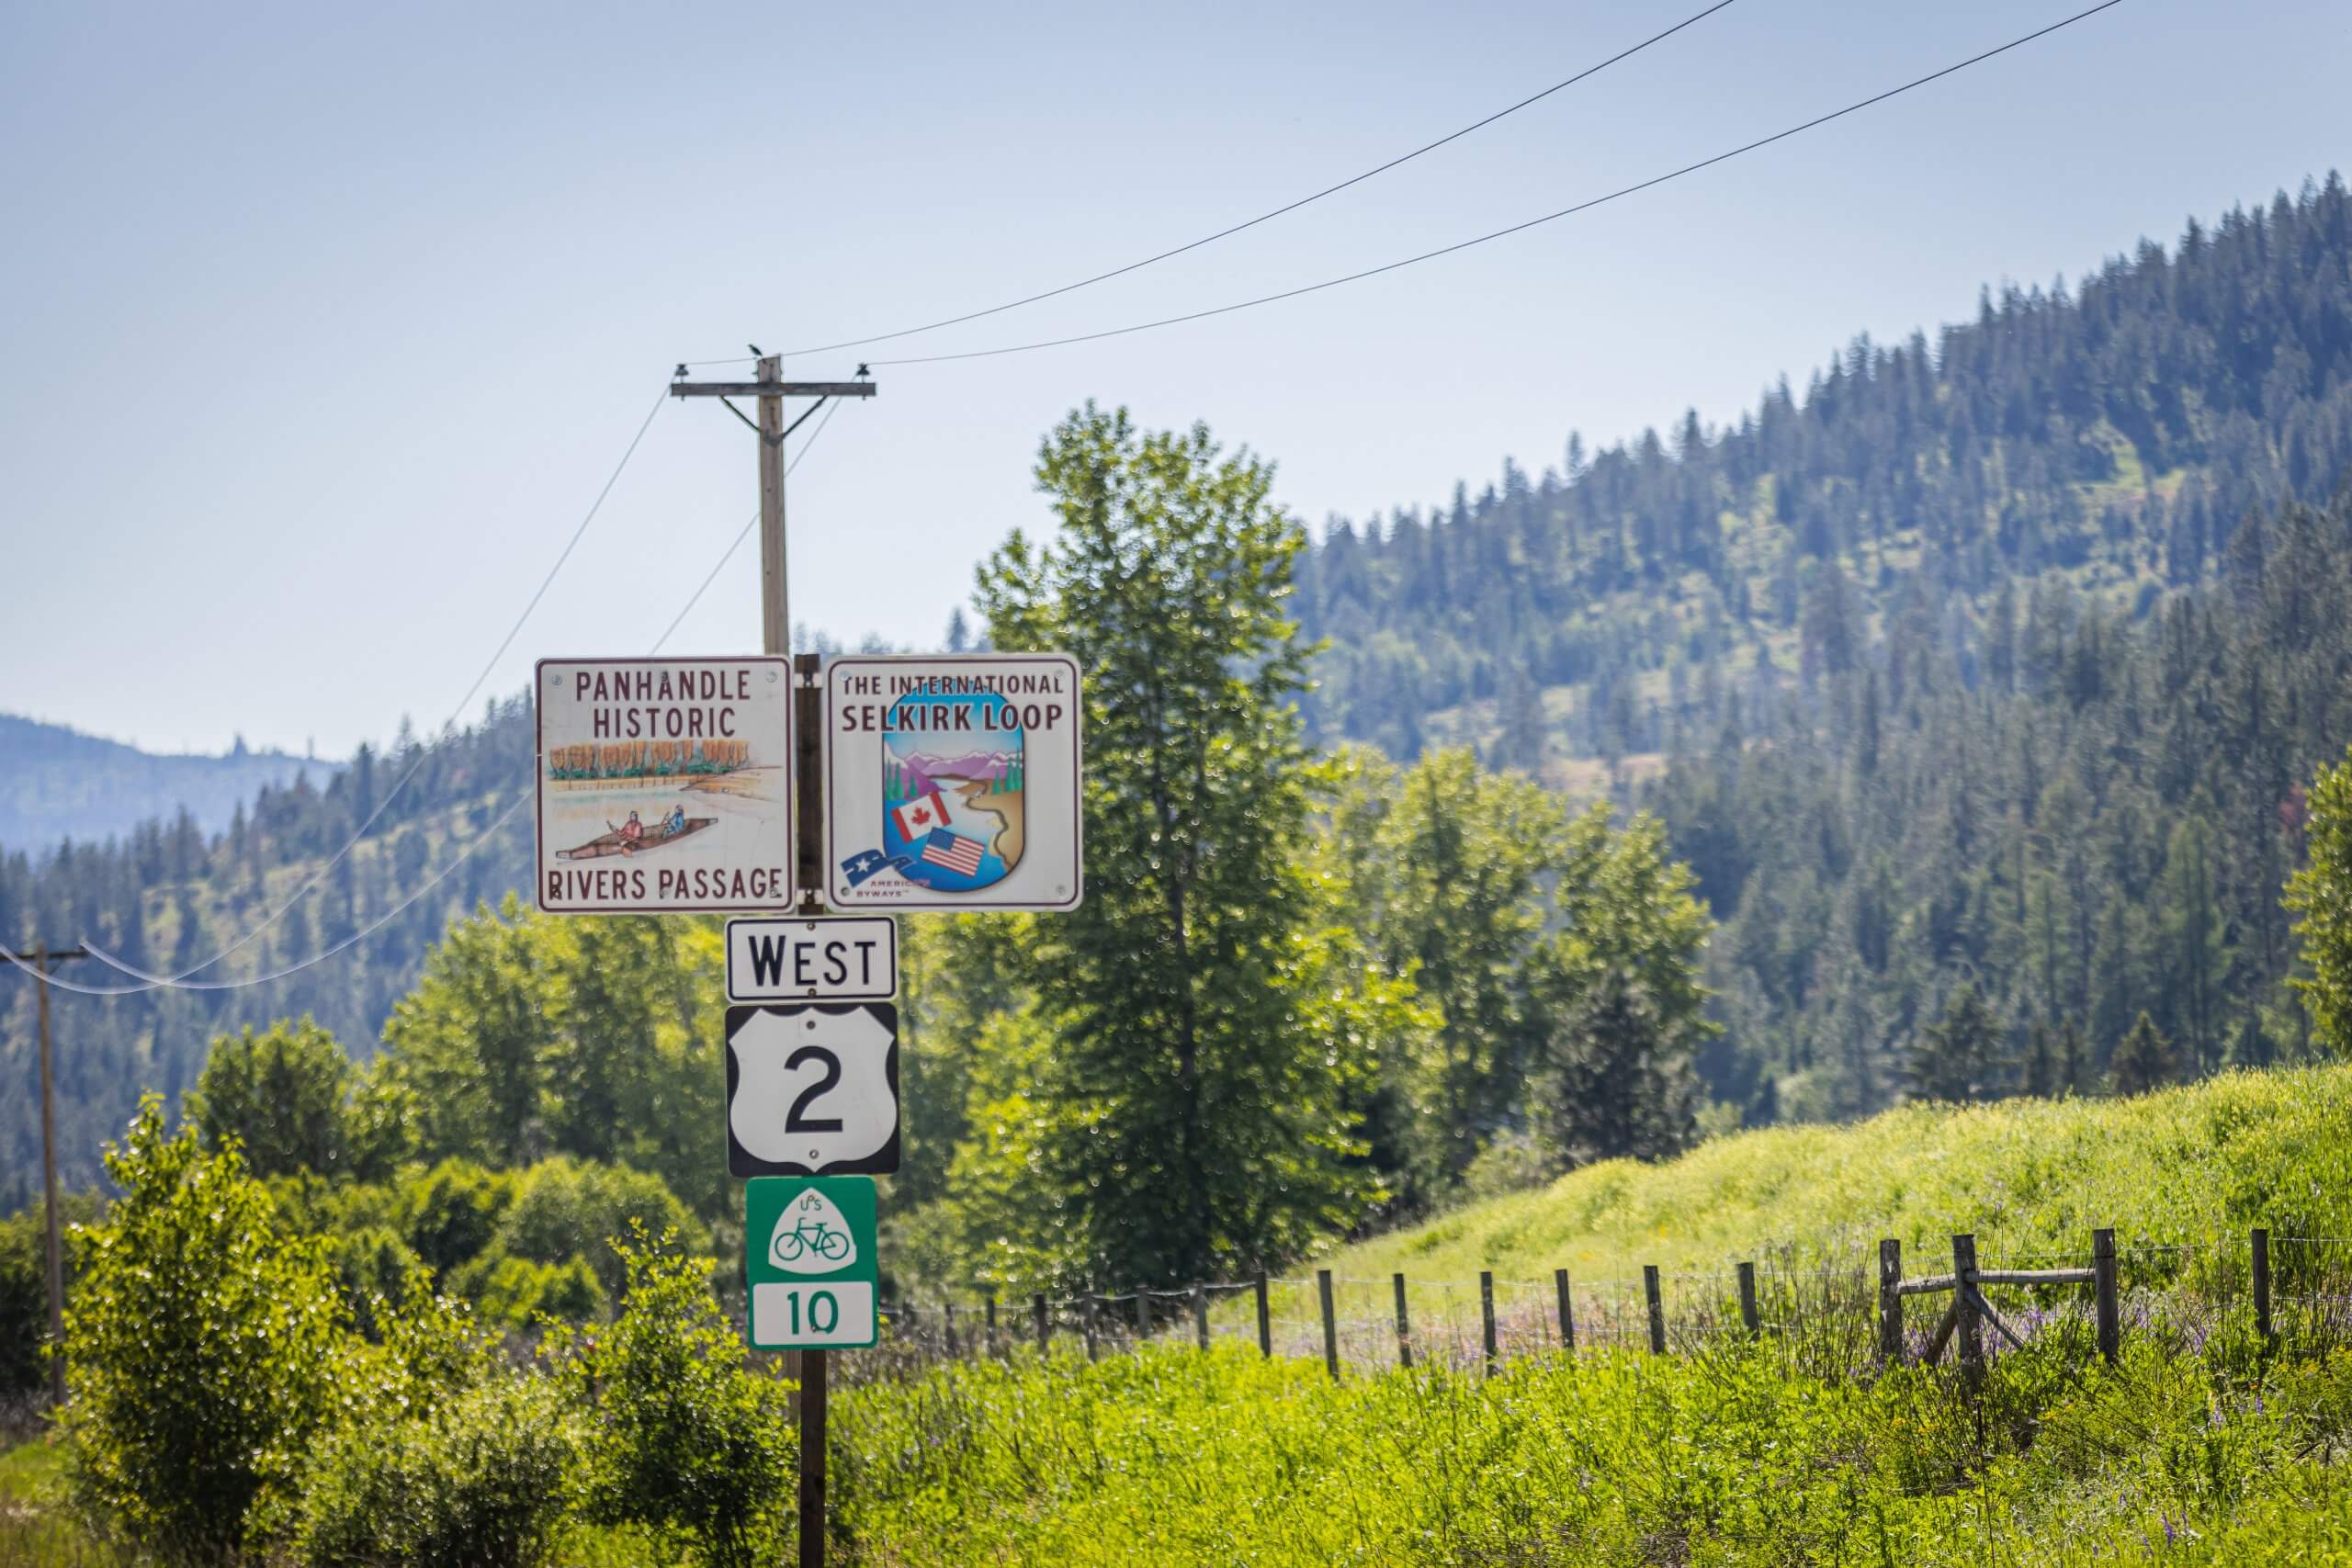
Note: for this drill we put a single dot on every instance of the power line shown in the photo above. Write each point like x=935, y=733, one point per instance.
x=181, y=981
x=488, y=665
x=1516, y=228
x=1261, y=218
x=826, y=419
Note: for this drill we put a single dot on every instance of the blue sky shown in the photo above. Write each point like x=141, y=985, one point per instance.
x=327, y=323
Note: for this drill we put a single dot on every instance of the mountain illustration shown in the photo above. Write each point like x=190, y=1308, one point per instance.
x=921, y=772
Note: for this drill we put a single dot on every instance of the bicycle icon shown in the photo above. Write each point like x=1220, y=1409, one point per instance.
x=808, y=1236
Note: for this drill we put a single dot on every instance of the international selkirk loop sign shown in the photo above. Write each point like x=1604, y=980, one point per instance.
x=952, y=783
x=664, y=785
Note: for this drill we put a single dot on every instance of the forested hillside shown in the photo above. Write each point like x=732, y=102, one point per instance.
x=56, y=783
x=2003, y=659
x=168, y=895
x=2113, y=433
x=1999, y=659
x=2099, y=828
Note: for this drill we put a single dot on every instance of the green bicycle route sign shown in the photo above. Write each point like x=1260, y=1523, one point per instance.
x=809, y=1257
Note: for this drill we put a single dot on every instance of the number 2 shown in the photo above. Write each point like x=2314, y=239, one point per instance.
x=793, y=1120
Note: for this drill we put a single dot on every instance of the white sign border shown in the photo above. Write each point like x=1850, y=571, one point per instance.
x=743, y=1164
x=792, y=700
x=755, y=999
x=934, y=903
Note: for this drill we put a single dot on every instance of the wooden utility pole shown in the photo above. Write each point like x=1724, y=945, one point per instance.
x=807, y=1366
x=41, y=958
x=775, y=630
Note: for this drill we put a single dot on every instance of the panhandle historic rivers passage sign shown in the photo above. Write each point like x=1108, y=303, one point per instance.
x=663, y=784
x=951, y=783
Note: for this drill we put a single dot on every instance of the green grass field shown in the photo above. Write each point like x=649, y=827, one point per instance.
x=2200, y=1448
x=2031, y=1179
x=2204, y=1446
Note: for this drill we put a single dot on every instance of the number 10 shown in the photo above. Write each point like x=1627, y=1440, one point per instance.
x=824, y=1313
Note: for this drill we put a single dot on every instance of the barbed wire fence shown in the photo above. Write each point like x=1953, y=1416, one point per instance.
x=1840, y=1310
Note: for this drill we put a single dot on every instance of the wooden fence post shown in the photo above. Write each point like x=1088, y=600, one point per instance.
x=1038, y=1311
x=988, y=1306
x=1890, y=1302
x=1964, y=1289
x=1748, y=1314
x=951, y=1329
x=1657, y=1308
x=1330, y=1324
x=1487, y=1318
x=1567, y=1310
x=1201, y=1314
x=1265, y=1317
x=2110, y=1328
x=2262, y=1286
x=1404, y=1325
x=1143, y=1312
x=1092, y=1326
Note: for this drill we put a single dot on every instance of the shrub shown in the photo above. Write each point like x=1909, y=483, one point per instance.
x=450, y=1212
x=565, y=1208
x=518, y=1293
x=686, y=1441
x=202, y=1345
x=477, y=1481
x=373, y=1267
x=279, y=1095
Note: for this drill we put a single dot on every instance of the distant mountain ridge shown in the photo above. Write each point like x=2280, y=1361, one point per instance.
x=57, y=783
x=924, y=771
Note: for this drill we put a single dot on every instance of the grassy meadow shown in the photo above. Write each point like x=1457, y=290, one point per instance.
x=2203, y=1446
x=2030, y=1178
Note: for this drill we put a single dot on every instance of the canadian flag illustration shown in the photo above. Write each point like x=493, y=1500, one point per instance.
x=917, y=818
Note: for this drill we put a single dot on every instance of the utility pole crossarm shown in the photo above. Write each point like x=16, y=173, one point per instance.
x=35, y=956
x=771, y=389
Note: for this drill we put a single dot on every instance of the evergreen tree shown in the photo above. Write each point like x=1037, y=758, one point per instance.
x=1958, y=1057
x=2074, y=1065
x=2041, y=1064
x=1618, y=1009
x=2144, y=1059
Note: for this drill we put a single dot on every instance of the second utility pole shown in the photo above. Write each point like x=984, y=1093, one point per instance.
x=776, y=635
x=41, y=958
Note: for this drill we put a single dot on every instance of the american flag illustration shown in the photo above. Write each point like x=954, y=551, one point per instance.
x=957, y=853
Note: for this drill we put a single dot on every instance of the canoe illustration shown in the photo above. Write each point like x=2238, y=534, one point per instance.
x=614, y=844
